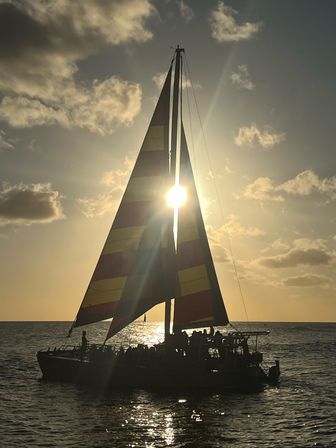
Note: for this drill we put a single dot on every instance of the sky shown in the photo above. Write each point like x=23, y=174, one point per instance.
x=78, y=85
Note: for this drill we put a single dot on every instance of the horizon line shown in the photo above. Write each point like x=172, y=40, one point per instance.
x=161, y=321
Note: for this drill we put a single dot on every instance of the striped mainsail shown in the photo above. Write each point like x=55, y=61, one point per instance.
x=131, y=273
x=200, y=301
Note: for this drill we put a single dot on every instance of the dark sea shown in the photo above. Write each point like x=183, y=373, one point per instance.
x=300, y=413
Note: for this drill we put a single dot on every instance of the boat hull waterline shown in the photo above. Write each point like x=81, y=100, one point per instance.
x=111, y=372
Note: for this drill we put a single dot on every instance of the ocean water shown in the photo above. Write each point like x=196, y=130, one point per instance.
x=301, y=412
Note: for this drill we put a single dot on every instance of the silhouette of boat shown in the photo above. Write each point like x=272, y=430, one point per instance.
x=145, y=262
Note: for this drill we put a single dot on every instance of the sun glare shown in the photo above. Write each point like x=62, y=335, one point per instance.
x=176, y=196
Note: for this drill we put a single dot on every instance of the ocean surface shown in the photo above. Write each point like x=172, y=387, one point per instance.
x=301, y=412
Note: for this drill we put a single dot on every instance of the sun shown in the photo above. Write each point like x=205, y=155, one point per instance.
x=176, y=196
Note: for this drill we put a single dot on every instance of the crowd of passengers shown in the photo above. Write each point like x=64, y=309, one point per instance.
x=201, y=344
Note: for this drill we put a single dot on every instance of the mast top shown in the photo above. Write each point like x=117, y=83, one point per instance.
x=179, y=49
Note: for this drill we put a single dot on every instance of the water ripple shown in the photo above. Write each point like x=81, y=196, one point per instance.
x=299, y=413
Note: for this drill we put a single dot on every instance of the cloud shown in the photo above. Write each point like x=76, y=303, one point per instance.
x=21, y=112
x=234, y=227
x=5, y=144
x=300, y=252
x=186, y=12
x=101, y=109
x=252, y=136
x=241, y=78
x=279, y=244
x=306, y=280
x=307, y=243
x=227, y=168
x=215, y=236
x=27, y=204
x=262, y=189
x=100, y=205
x=296, y=257
x=304, y=252
x=39, y=64
x=224, y=27
x=109, y=104
x=307, y=182
x=160, y=77
x=107, y=202
x=118, y=177
x=41, y=60
x=218, y=237
x=219, y=253
x=303, y=184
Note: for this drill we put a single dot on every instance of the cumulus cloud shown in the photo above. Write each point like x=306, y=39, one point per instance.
x=218, y=250
x=185, y=10
x=252, y=136
x=118, y=178
x=307, y=243
x=304, y=252
x=107, y=105
x=39, y=64
x=224, y=27
x=101, y=109
x=279, y=244
x=5, y=143
x=107, y=202
x=100, y=205
x=262, y=189
x=306, y=280
x=241, y=78
x=304, y=184
x=219, y=253
x=160, y=77
x=296, y=257
x=21, y=112
x=41, y=60
x=307, y=182
x=234, y=227
x=27, y=204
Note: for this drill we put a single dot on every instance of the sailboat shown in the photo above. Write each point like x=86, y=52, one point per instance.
x=158, y=254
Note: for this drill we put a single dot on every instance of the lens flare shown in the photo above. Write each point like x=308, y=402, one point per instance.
x=176, y=196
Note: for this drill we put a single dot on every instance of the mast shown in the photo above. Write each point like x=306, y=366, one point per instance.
x=174, y=143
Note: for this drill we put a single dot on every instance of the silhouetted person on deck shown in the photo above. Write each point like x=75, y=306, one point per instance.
x=218, y=337
x=185, y=341
x=84, y=340
x=84, y=344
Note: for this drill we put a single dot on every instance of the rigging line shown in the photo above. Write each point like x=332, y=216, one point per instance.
x=217, y=193
x=178, y=146
x=191, y=130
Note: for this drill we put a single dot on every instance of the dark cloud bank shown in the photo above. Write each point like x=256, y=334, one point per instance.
x=26, y=204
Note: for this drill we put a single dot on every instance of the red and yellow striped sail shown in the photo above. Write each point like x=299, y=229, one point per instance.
x=200, y=302
x=128, y=279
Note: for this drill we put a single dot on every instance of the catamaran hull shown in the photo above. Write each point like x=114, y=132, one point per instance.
x=115, y=375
